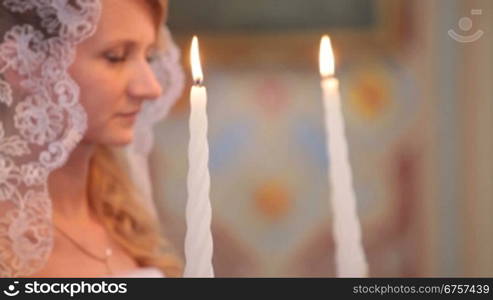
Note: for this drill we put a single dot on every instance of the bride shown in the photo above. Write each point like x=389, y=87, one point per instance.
x=78, y=78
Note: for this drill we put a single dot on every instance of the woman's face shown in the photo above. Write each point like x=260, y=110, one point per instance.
x=113, y=71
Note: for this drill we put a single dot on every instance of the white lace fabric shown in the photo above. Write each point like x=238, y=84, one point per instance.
x=41, y=119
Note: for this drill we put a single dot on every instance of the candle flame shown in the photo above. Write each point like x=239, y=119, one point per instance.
x=326, y=59
x=197, y=74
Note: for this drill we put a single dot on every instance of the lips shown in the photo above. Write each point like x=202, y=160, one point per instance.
x=130, y=114
x=129, y=118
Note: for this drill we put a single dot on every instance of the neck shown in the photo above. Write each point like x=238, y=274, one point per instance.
x=68, y=185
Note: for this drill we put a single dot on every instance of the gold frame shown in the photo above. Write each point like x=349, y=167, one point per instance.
x=245, y=49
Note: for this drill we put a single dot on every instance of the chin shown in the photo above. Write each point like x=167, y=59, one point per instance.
x=114, y=137
x=119, y=139
x=123, y=140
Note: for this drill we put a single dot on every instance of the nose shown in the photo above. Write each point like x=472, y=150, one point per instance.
x=144, y=84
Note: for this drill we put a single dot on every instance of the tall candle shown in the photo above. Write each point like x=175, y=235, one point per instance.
x=349, y=254
x=198, y=239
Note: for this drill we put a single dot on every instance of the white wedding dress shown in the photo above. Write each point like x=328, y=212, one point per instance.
x=149, y=272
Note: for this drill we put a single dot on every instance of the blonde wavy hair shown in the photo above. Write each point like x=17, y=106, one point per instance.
x=115, y=203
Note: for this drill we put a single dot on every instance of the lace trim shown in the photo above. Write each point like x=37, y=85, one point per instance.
x=44, y=121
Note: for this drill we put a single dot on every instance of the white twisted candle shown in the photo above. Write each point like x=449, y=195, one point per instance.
x=198, y=240
x=350, y=257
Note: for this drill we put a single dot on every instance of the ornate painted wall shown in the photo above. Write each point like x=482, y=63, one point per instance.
x=269, y=190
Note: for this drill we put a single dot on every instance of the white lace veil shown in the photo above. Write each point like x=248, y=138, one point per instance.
x=41, y=119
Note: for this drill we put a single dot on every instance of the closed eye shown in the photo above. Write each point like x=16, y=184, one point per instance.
x=151, y=58
x=152, y=55
x=114, y=59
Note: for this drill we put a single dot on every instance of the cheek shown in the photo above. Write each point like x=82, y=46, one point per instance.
x=97, y=100
x=100, y=95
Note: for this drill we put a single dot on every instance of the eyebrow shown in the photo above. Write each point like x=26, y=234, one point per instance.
x=130, y=44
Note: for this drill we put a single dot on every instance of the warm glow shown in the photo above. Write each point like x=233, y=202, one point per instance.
x=326, y=59
x=195, y=60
